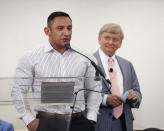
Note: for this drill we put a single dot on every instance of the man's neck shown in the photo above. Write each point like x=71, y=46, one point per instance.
x=60, y=49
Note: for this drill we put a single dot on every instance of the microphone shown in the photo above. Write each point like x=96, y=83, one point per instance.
x=97, y=68
x=111, y=70
x=68, y=46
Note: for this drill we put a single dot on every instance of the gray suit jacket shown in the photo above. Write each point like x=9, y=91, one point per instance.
x=130, y=81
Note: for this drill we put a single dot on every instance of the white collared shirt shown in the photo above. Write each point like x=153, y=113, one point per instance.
x=48, y=62
x=104, y=61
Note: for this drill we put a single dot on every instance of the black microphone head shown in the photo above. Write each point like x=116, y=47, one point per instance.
x=68, y=46
x=111, y=70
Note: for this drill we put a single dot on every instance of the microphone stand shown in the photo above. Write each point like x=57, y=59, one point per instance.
x=97, y=68
x=76, y=97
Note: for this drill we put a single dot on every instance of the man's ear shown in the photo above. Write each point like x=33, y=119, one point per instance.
x=120, y=44
x=46, y=30
x=99, y=39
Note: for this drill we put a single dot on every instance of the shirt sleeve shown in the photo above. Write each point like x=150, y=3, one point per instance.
x=94, y=99
x=21, y=87
x=104, y=100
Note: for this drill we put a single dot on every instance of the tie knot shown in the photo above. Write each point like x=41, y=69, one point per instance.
x=110, y=60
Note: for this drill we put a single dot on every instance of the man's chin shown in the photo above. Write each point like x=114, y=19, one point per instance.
x=110, y=53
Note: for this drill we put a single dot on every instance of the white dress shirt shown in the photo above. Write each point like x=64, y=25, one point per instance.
x=104, y=61
x=47, y=62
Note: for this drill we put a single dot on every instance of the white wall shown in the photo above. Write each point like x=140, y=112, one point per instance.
x=21, y=29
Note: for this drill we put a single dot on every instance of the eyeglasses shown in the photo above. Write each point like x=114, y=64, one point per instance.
x=107, y=38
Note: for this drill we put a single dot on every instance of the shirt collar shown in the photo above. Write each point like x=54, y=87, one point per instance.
x=48, y=47
x=105, y=57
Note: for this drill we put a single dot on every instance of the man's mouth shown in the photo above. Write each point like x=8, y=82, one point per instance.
x=66, y=40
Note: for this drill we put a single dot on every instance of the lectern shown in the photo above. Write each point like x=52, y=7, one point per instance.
x=56, y=93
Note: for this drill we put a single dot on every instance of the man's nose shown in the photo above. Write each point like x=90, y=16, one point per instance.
x=66, y=32
x=110, y=41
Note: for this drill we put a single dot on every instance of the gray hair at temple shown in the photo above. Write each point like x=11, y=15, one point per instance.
x=112, y=28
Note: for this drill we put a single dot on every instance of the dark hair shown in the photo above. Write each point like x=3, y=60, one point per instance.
x=56, y=14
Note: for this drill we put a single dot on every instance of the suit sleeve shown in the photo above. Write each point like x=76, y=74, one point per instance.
x=136, y=87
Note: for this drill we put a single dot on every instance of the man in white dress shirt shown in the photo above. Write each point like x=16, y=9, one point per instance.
x=53, y=59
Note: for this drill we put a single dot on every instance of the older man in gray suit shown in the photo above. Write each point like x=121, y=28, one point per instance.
x=115, y=110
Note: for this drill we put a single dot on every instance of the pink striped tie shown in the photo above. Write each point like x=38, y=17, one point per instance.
x=117, y=111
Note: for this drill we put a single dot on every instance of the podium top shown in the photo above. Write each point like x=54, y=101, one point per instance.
x=39, y=88
x=70, y=77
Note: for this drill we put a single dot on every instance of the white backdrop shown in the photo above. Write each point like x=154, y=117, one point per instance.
x=21, y=29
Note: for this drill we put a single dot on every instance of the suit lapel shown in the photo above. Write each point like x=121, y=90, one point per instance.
x=122, y=68
x=97, y=56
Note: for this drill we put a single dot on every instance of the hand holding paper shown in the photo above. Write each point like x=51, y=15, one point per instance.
x=125, y=95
